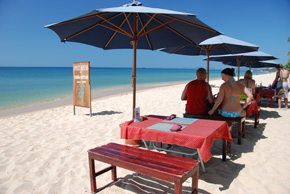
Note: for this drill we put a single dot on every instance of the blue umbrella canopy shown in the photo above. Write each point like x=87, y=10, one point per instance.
x=242, y=58
x=218, y=45
x=133, y=26
x=115, y=28
x=254, y=64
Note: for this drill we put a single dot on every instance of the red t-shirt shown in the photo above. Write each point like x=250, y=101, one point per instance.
x=196, y=97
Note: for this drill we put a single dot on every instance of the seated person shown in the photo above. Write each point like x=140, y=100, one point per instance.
x=249, y=83
x=229, y=96
x=196, y=93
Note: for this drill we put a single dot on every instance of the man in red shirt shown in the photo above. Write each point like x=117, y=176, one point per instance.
x=197, y=92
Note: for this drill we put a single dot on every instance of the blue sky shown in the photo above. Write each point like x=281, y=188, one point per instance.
x=25, y=42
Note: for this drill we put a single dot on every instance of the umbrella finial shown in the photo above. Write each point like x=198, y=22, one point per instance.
x=135, y=3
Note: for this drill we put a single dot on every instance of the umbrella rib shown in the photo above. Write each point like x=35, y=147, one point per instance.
x=130, y=26
x=113, y=29
x=143, y=28
x=120, y=29
x=201, y=48
x=84, y=30
x=224, y=48
x=111, y=38
x=163, y=25
x=78, y=19
x=193, y=24
x=177, y=49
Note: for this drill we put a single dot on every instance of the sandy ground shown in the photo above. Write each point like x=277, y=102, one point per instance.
x=45, y=151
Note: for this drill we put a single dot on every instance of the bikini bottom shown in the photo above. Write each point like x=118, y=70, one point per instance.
x=231, y=114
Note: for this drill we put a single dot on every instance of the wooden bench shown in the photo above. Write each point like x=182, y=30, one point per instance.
x=166, y=167
x=239, y=120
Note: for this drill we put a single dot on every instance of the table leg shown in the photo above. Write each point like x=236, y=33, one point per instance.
x=224, y=158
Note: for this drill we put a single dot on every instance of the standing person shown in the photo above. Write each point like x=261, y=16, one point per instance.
x=229, y=96
x=281, y=77
x=196, y=93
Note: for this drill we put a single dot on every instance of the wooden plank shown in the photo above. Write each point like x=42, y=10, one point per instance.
x=155, y=156
x=137, y=162
x=146, y=159
x=167, y=156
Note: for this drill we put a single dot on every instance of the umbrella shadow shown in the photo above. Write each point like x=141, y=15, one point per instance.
x=221, y=173
x=264, y=114
x=252, y=136
x=143, y=184
x=111, y=112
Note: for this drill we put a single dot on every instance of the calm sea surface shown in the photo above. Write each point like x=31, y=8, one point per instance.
x=20, y=86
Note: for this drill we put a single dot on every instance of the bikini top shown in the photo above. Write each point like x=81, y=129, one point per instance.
x=232, y=96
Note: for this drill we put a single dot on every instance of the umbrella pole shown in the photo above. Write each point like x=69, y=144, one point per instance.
x=135, y=39
x=134, y=75
x=238, y=62
x=207, y=67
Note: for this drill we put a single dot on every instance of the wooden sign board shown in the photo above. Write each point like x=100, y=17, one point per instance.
x=81, y=84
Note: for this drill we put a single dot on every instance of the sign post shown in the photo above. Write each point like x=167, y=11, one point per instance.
x=81, y=85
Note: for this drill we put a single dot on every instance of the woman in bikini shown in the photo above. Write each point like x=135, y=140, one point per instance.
x=229, y=96
x=248, y=82
x=281, y=77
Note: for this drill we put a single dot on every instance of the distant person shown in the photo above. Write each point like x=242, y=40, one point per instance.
x=282, y=76
x=198, y=94
x=229, y=96
x=249, y=83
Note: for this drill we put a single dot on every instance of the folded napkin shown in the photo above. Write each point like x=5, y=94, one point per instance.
x=176, y=127
x=171, y=117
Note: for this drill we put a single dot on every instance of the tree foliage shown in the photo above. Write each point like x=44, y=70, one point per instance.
x=287, y=66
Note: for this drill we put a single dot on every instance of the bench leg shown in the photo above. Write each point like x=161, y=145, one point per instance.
x=178, y=186
x=114, y=173
x=194, y=182
x=243, y=128
x=240, y=132
x=92, y=175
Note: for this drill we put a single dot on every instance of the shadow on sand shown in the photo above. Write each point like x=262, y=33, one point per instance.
x=111, y=112
x=265, y=114
x=142, y=184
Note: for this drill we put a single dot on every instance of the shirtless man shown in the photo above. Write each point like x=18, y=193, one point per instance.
x=229, y=96
x=282, y=76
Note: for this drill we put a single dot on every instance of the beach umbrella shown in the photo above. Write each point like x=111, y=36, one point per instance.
x=241, y=58
x=218, y=45
x=254, y=64
x=133, y=26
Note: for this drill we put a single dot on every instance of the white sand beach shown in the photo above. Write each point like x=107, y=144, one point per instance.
x=45, y=151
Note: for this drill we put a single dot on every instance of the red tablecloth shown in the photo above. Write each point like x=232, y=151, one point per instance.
x=198, y=135
x=252, y=107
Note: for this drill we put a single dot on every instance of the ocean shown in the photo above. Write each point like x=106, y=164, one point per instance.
x=20, y=86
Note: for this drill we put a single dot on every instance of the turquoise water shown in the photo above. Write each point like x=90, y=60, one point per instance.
x=25, y=85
